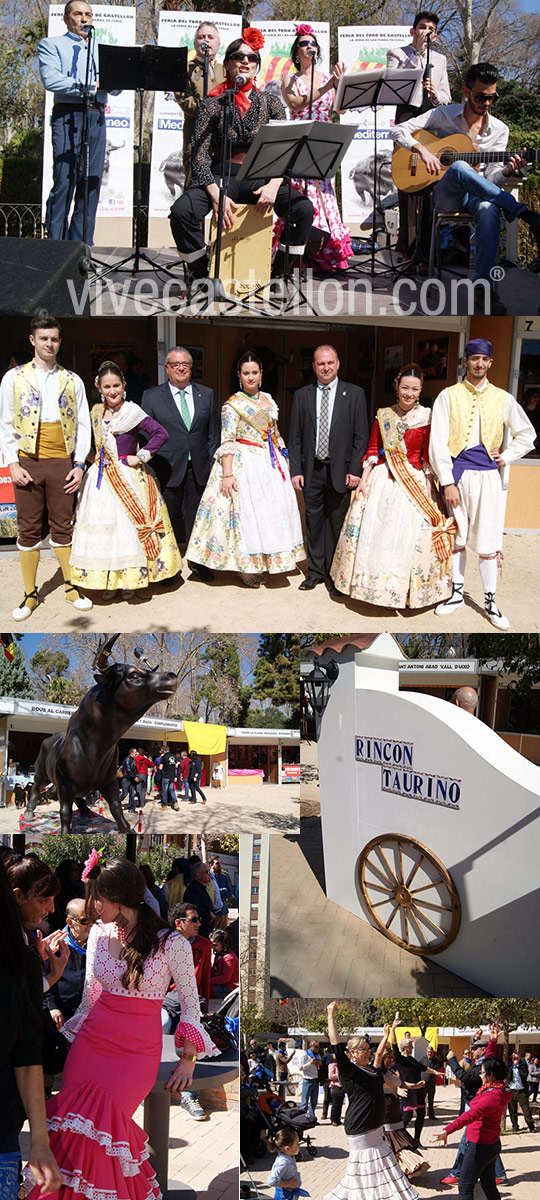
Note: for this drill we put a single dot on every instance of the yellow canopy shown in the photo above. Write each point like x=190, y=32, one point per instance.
x=206, y=739
x=431, y=1035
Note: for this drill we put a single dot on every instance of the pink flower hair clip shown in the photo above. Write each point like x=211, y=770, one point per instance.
x=94, y=860
x=304, y=28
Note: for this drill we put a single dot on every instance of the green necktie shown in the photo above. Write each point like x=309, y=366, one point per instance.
x=186, y=416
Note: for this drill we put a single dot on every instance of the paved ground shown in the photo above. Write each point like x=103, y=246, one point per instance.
x=520, y=1155
x=226, y=604
x=344, y=297
x=203, y=1155
x=233, y=810
x=319, y=949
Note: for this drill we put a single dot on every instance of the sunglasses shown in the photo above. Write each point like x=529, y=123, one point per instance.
x=244, y=57
x=194, y=920
x=304, y=44
x=483, y=98
x=83, y=920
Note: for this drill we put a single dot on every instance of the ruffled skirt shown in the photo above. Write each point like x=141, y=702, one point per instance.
x=372, y=1172
x=110, y=1068
x=106, y=552
x=259, y=529
x=385, y=555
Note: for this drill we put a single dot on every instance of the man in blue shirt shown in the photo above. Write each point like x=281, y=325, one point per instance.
x=62, y=66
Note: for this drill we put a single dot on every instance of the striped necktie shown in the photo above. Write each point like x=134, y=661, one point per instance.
x=323, y=446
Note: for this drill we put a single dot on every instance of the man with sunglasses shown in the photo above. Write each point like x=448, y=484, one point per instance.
x=250, y=110
x=186, y=920
x=64, y=997
x=462, y=188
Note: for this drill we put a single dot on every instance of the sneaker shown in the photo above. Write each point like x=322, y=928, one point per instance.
x=175, y=807
x=450, y=1180
x=454, y=601
x=493, y=613
x=193, y=1108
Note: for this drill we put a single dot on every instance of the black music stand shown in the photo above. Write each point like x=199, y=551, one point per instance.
x=373, y=89
x=141, y=69
x=299, y=150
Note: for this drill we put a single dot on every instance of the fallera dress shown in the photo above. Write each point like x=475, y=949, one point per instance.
x=111, y=1066
x=387, y=549
x=258, y=529
x=322, y=193
x=123, y=536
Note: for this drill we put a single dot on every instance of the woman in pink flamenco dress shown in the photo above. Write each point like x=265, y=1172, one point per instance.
x=334, y=255
x=116, y=1036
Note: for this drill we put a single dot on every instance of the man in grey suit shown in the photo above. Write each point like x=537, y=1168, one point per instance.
x=327, y=440
x=433, y=89
x=190, y=415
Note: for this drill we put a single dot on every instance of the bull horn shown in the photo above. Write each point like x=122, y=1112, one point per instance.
x=101, y=658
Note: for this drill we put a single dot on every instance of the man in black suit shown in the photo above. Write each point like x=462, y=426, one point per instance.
x=190, y=415
x=327, y=439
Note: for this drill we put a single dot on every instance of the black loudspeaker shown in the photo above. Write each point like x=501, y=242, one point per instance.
x=43, y=276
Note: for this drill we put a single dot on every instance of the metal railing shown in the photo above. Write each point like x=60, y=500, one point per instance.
x=24, y=221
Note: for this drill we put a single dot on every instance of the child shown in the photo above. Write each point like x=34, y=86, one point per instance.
x=285, y=1175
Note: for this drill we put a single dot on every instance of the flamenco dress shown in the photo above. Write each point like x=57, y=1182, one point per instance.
x=110, y=1068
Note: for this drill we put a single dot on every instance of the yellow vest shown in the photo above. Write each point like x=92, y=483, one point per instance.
x=464, y=403
x=27, y=408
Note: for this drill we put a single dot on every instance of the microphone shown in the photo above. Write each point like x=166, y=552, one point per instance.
x=312, y=52
x=87, y=28
x=240, y=80
x=205, y=47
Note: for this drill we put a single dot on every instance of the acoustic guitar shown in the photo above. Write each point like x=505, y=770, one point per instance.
x=410, y=173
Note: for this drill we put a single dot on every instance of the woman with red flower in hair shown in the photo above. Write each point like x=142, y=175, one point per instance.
x=250, y=110
x=335, y=247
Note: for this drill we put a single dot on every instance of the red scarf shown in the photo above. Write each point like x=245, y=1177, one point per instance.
x=487, y=1087
x=241, y=98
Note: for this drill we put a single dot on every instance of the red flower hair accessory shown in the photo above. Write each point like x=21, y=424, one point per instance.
x=94, y=860
x=304, y=28
x=253, y=37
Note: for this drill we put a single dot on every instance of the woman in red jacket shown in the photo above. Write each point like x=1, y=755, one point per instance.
x=483, y=1121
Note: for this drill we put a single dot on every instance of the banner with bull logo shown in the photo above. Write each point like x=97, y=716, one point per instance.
x=363, y=48
x=166, y=170
x=114, y=26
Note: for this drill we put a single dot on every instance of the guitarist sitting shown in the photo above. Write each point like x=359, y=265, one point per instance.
x=462, y=188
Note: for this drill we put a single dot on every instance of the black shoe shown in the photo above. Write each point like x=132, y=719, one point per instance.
x=173, y=582
x=310, y=582
x=203, y=572
x=333, y=592
x=489, y=302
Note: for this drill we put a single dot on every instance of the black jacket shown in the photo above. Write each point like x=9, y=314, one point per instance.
x=129, y=768
x=201, y=440
x=348, y=433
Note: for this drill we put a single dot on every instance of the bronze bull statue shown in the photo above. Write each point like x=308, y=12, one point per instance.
x=85, y=757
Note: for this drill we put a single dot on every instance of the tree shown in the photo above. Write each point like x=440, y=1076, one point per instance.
x=264, y=718
x=78, y=846
x=464, y=1013
x=14, y=678
x=50, y=668
x=277, y=673
x=515, y=654
x=219, y=681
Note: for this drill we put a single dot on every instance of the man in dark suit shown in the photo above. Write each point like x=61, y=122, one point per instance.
x=190, y=415
x=327, y=439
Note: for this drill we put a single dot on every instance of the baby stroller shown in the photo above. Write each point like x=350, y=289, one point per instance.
x=285, y=1114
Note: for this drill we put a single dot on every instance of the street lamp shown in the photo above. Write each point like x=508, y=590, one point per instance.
x=317, y=687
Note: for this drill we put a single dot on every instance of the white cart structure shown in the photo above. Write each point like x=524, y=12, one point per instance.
x=430, y=824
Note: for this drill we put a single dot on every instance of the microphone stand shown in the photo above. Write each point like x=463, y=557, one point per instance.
x=206, y=67
x=216, y=292
x=426, y=98
x=313, y=55
x=84, y=146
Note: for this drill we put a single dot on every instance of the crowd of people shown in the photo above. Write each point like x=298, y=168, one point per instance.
x=388, y=517
x=89, y=949
x=387, y=1091
x=306, y=215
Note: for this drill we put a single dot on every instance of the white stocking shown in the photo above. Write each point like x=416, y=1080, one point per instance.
x=488, y=573
x=459, y=559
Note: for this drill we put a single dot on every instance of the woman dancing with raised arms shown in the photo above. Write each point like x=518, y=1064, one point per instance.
x=372, y=1170
x=248, y=519
x=132, y=957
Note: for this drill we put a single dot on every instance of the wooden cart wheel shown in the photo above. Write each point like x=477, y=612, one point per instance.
x=409, y=894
